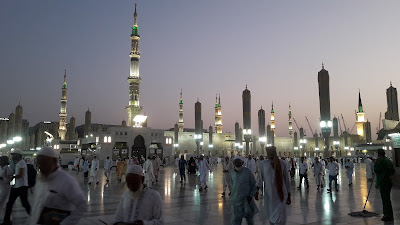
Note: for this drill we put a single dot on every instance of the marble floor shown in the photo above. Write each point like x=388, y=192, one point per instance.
x=185, y=205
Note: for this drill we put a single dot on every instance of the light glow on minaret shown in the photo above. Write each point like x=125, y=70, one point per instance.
x=290, y=123
x=360, y=117
x=62, y=129
x=134, y=108
x=273, y=119
x=180, y=125
x=218, y=115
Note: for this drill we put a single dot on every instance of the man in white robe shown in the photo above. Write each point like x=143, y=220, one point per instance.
x=139, y=204
x=56, y=190
x=243, y=193
x=156, y=167
x=94, y=171
x=227, y=167
x=203, y=170
x=76, y=164
x=317, y=172
x=260, y=183
x=368, y=169
x=148, y=172
x=275, y=200
x=349, y=165
x=251, y=164
x=107, y=167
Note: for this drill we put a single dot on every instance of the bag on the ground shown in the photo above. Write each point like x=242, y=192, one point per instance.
x=31, y=175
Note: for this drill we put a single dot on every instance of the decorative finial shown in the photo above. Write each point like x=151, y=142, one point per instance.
x=390, y=83
x=135, y=16
x=219, y=98
x=246, y=86
x=323, y=65
x=261, y=106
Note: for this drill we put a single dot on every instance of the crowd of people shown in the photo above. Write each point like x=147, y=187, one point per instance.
x=59, y=199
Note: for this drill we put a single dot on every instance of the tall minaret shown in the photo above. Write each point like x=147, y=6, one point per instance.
x=290, y=123
x=134, y=108
x=62, y=129
x=360, y=117
x=273, y=120
x=218, y=115
x=181, y=114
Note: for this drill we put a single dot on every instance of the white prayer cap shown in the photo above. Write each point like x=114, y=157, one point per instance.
x=17, y=151
x=135, y=169
x=49, y=151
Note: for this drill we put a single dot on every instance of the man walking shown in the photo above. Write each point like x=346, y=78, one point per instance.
x=182, y=165
x=156, y=167
x=384, y=171
x=317, y=172
x=148, y=172
x=107, y=167
x=227, y=167
x=251, y=164
x=94, y=171
x=292, y=168
x=333, y=168
x=243, y=191
x=57, y=191
x=303, y=169
x=276, y=187
x=349, y=165
x=203, y=170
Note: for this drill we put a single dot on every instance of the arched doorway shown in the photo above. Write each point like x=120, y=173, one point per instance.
x=139, y=148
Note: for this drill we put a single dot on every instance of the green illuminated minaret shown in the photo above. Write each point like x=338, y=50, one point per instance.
x=62, y=129
x=134, y=108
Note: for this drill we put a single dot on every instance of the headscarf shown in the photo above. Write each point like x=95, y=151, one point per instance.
x=278, y=172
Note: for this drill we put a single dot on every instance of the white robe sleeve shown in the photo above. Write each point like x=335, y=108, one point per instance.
x=286, y=178
x=77, y=198
x=158, y=213
x=119, y=214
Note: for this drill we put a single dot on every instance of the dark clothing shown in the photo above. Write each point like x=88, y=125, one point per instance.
x=22, y=193
x=192, y=166
x=182, y=165
x=332, y=178
x=384, y=170
x=301, y=179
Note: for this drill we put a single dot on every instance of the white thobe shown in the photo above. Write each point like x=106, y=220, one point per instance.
x=94, y=171
x=148, y=208
x=349, y=169
x=274, y=207
x=5, y=186
x=318, y=172
x=58, y=191
x=368, y=168
x=303, y=167
x=226, y=178
x=156, y=167
x=251, y=164
x=76, y=163
x=107, y=168
x=148, y=172
x=203, y=170
x=81, y=161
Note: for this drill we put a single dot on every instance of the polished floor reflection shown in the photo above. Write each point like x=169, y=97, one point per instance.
x=185, y=205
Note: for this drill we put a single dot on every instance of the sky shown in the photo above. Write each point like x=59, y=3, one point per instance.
x=204, y=48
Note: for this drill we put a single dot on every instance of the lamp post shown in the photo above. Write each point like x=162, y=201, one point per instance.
x=303, y=144
x=326, y=126
x=336, y=144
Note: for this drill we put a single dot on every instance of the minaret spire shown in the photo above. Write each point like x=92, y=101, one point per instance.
x=273, y=119
x=290, y=122
x=62, y=129
x=360, y=107
x=218, y=115
x=180, y=125
x=134, y=108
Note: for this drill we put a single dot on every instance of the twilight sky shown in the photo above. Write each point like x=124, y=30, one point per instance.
x=204, y=47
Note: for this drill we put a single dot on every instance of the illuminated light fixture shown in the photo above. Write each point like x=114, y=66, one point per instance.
x=105, y=139
x=296, y=148
x=240, y=146
x=17, y=139
x=303, y=141
x=197, y=136
x=201, y=143
x=262, y=139
x=86, y=136
x=97, y=139
x=329, y=123
x=346, y=148
x=390, y=148
x=91, y=135
x=336, y=142
x=269, y=145
x=139, y=119
x=2, y=145
x=176, y=145
x=210, y=146
x=109, y=139
x=364, y=151
x=316, y=148
x=352, y=149
x=10, y=142
x=38, y=148
x=322, y=124
x=349, y=154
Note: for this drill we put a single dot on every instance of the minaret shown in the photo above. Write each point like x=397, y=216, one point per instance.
x=88, y=122
x=134, y=108
x=324, y=107
x=246, y=100
x=392, y=112
x=290, y=123
x=181, y=114
x=62, y=129
x=273, y=119
x=218, y=115
x=360, y=117
x=261, y=128
x=18, y=120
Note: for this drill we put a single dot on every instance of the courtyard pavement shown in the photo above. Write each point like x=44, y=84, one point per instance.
x=185, y=205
